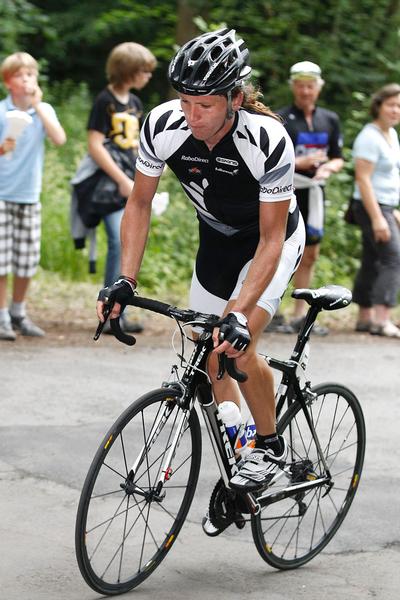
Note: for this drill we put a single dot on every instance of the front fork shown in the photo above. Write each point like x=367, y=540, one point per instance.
x=166, y=471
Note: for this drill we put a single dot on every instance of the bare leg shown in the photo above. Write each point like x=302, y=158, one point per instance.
x=20, y=288
x=3, y=291
x=303, y=276
x=365, y=314
x=382, y=314
x=258, y=390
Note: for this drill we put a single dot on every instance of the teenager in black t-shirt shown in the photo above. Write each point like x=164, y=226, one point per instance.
x=116, y=115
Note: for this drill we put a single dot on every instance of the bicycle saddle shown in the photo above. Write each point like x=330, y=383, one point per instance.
x=328, y=297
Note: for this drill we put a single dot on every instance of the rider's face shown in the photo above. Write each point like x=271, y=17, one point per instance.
x=206, y=116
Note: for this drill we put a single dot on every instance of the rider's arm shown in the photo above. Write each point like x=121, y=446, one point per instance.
x=135, y=224
x=273, y=219
x=134, y=230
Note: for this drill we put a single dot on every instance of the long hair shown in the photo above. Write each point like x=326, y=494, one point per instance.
x=251, y=101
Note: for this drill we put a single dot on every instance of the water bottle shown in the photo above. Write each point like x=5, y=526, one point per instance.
x=250, y=431
x=232, y=419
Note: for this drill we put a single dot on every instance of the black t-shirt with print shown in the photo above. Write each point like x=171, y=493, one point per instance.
x=119, y=122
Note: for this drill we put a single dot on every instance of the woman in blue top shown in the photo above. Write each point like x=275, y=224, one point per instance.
x=376, y=154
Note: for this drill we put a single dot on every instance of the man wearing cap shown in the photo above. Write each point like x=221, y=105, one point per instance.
x=315, y=133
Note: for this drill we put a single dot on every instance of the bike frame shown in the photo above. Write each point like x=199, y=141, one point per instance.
x=195, y=384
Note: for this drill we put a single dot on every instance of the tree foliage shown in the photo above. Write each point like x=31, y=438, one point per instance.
x=356, y=43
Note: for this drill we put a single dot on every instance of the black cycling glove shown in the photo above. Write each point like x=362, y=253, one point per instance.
x=233, y=329
x=122, y=291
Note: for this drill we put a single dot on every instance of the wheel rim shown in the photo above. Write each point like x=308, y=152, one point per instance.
x=294, y=530
x=128, y=524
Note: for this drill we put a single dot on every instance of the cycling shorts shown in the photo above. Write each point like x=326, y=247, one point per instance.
x=222, y=265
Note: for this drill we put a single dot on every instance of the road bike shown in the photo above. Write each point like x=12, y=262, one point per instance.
x=142, y=480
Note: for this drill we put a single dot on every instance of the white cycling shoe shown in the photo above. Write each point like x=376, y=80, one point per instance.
x=259, y=468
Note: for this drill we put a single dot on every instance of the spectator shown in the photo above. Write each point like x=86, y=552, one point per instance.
x=376, y=154
x=24, y=123
x=113, y=139
x=315, y=133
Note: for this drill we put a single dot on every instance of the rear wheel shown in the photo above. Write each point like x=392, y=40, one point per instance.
x=134, y=500
x=292, y=531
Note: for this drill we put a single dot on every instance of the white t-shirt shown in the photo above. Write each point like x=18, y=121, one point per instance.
x=371, y=145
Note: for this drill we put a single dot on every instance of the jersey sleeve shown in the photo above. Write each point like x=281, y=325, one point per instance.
x=148, y=161
x=276, y=181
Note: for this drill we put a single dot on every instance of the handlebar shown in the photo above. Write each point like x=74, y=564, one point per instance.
x=207, y=321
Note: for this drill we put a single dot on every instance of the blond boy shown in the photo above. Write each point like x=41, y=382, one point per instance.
x=21, y=168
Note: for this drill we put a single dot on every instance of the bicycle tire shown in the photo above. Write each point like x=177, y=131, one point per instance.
x=292, y=531
x=122, y=536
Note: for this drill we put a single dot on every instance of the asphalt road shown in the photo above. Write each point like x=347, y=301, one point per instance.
x=59, y=397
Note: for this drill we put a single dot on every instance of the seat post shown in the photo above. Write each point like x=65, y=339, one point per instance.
x=304, y=333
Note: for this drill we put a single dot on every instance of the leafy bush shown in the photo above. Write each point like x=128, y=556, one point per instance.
x=341, y=246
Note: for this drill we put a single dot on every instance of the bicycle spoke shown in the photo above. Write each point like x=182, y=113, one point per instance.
x=120, y=540
x=293, y=530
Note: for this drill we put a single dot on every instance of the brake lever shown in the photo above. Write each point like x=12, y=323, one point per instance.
x=221, y=366
x=106, y=313
x=229, y=365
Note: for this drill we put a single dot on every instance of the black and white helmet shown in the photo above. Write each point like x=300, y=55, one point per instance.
x=212, y=63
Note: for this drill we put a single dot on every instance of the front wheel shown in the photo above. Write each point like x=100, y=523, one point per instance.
x=137, y=493
x=292, y=531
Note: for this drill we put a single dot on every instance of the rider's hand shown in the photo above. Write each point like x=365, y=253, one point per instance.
x=234, y=335
x=116, y=295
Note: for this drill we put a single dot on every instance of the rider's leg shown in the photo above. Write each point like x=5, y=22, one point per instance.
x=303, y=276
x=258, y=390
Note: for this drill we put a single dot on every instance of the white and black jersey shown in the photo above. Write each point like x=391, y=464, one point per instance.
x=252, y=163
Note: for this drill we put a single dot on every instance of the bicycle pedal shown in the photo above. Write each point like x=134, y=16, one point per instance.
x=240, y=523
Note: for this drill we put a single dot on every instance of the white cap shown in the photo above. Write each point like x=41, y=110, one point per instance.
x=305, y=70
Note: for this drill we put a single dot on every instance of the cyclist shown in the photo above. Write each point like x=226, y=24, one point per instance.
x=235, y=162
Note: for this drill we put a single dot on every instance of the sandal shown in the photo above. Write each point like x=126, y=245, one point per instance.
x=387, y=329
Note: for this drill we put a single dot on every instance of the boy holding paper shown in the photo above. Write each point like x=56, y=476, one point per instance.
x=21, y=168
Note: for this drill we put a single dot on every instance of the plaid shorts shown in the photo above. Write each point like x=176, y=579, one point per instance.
x=20, y=226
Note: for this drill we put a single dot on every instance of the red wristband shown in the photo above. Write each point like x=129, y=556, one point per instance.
x=130, y=279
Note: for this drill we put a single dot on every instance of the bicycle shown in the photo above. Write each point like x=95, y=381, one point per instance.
x=142, y=480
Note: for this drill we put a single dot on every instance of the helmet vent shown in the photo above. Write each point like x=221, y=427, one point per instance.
x=197, y=52
x=216, y=52
x=202, y=71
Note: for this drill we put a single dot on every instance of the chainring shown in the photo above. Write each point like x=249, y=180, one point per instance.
x=224, y=509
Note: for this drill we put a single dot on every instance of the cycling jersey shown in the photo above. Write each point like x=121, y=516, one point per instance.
x=253, y=162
